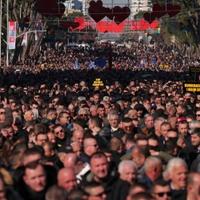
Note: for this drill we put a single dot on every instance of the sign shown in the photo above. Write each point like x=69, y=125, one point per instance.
x=11, y=34
x=98, y=83
x=194, y=69
x=192, y=87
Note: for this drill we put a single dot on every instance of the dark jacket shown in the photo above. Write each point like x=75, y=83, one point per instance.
x=120, y=190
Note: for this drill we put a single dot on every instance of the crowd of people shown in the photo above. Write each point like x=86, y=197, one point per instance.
x=134, y=137
x=134, y=141
x=135, y=56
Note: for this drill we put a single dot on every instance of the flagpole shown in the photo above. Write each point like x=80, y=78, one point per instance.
x=0, y=28
x=7, y=19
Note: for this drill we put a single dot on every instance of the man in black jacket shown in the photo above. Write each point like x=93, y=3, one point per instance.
x=34, y=184
x=101, y=174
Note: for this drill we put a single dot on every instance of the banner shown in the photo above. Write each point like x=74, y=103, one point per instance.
x=192, y=87
x=11, y=34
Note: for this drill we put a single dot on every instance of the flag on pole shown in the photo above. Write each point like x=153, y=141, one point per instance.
x=11, y=35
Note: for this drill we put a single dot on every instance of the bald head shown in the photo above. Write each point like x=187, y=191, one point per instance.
x=193, y=186
x=70, y=160
x=67, y=179
x=78, y=135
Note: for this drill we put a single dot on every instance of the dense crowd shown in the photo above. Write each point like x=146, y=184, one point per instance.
x=135, y=56
x=137, y=141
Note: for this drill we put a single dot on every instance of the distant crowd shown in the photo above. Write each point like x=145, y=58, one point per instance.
x=135, y=56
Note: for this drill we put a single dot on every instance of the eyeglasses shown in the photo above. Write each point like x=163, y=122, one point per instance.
x=83, y=115
x=198, y=115
x=61, y=131
x=155, y=148
x=161, y=194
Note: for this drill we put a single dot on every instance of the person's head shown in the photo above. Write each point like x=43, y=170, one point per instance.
x=2, y=189
x=116, y=144
x=127, y=125
x=198, y=114
x=183, y=128
x=70, y=160
x=195, y=137
x=41, y=138
x=172, y=134
x=142, y=196
x=40, y=131
x=157, y=125
x=141, y=140
x=161, y=190
x=113, y=119
x=33, y=154
x=153, y=167
x=95, y=191
x=181, y=109
x=94, y=122
x=193, y=186
x=77, y=126
x=51, y=114
x=101, y=111
x=48, y=149
x=77, y=194
x=59, y=132
x=176, y=171
x=127, y=170
x=90, y=145
x=93, y=110
x=51, y=137
x=130, y=142
x=35, y=177
x=164, y=128
x=55, y=192
x=99, y=166
x=7, y=132
x=149, y=121
x=83, y=113
x=194, y=124
x=138, y=156
x=170, y=109
x=2, y=115
x=153, y=145
x=64, y=118
x=28, y=116
x=132, y=113
x=135, y=189
x=96, y=98
x=66, y=179
x=77, y=136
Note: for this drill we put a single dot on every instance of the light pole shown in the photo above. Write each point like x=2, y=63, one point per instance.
x=0, y=27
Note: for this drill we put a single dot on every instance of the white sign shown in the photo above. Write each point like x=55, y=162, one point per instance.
x=11, y=35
